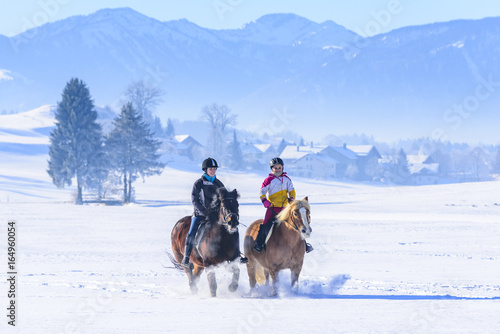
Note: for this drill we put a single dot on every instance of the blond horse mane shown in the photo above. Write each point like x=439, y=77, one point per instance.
x=286, y=213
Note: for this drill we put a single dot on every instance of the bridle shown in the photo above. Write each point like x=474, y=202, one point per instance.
x=305, y=221
x=227, y=215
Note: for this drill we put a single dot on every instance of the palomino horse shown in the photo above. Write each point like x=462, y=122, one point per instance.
x=285, y=247
x=218, y=244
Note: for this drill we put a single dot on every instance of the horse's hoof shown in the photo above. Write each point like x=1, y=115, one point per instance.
x=232, y=287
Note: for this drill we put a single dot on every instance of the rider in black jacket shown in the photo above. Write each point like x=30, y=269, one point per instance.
x=202, y=196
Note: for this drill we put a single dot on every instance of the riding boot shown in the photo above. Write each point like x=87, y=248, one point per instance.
x=259, y=241
x=309, y=247
x=187, y=251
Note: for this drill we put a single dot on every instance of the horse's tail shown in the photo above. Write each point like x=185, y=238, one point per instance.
x=176, y=264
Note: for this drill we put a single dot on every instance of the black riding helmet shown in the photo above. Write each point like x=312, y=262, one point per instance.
x=209, y=163
x=276, y=161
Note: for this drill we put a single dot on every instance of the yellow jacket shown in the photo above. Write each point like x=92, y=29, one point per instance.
x=278, y=190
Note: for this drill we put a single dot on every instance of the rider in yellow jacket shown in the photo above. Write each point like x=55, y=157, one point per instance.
x=275, y=193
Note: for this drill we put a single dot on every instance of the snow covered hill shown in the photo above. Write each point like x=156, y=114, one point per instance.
x=27, y=132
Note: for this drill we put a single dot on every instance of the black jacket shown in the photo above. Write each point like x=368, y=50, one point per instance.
x=203, y=194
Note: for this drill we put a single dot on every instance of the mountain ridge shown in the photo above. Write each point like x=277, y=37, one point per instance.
x=281, y=64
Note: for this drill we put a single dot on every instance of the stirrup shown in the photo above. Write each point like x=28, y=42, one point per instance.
x=309, y=248
x=243, y=259
x=257, y=248
x=185, y=262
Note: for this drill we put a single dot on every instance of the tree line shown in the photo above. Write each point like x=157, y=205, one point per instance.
x=79, y=150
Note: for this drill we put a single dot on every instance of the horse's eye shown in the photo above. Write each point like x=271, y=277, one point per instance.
x=295, y=214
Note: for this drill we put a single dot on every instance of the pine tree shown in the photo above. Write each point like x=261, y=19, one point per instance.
x=76, y=142
x=402, y=168
x=169, y=131
x=132, y=149
x=235, y=153
x=157, y=128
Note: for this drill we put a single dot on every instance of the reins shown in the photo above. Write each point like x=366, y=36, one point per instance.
x=295, y=227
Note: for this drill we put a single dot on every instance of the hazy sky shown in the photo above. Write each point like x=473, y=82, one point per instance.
x=366, y=17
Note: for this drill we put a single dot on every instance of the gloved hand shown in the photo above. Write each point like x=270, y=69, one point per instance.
x=266, y=203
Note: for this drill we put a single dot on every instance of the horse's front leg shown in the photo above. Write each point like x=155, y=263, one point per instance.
x=295, y=279
x=194, y=276
x=233, y=267
x=275, y=278
x=212, y=282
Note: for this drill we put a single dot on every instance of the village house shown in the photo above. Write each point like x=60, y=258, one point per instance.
x=347, y=160
x=423, y=169
x=368, y=160
x=309, y=161
x=186, y=145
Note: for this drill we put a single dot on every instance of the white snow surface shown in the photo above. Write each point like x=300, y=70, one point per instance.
x=387, y=259
x=22, y=128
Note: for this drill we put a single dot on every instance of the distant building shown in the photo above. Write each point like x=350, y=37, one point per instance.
x=319, y=161
x=423, y=169
x=187, y=146
x=347, y=160
x=252, y=155
x=368, y=160
x=315, y=166
x=309, y=161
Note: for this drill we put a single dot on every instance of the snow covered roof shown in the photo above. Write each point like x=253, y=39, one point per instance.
x=187, y=140
x=293, y=152
x=249, y=148
x=416, y=159
x=181, y=138
x=263, y=147
x=424, y=168
x=345, y=152
x=321, y=157
x=361, y=150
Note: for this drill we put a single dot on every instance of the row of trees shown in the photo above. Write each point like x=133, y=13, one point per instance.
x=79, y=150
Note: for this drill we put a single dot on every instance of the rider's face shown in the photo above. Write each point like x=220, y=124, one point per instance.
x=277, y=170
x=211, y=171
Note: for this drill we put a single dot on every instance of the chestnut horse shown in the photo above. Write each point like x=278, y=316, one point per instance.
x=285, y=247
x=219, y=242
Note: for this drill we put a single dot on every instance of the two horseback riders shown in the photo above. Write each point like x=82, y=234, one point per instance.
x=219, y=242
x=277, y=186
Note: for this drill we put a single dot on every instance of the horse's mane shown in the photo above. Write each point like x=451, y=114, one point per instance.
x=286, y=213
x=222, y=194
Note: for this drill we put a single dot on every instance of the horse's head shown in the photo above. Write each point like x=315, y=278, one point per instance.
x=297, y=215
x=229, y=209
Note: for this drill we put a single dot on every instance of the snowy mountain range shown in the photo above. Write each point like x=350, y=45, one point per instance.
x=279, y=72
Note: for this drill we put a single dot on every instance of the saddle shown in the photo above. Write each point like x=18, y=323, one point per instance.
x=200, y=233
x=268, y=229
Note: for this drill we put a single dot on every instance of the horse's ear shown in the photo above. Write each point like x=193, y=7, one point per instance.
x=235, y=193
x=306, y=199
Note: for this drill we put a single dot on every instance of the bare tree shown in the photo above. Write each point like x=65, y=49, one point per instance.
x=218, y=117
x=145, y=97
x=478, y=159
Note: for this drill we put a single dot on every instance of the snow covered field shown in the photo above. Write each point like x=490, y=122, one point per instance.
x=386, y=260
